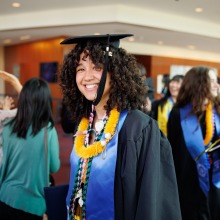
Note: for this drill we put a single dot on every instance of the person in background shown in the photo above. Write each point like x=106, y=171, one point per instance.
x=194, y=131
x=5, y=112
x=149, y=96
x=25, y=166
x=165, y=81
x=160, y=109
x=121, y=164
x=7, y=105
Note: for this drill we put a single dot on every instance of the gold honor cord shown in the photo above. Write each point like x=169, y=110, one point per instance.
x=208, y=149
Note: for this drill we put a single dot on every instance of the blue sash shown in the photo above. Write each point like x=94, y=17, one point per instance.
x=194, y=142
x=216, y=156
x=172, y=104
x=100, y=192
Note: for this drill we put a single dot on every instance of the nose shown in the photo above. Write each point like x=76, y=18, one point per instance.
x=88, y=74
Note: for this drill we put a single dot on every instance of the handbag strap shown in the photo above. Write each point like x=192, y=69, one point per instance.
x=46, y=155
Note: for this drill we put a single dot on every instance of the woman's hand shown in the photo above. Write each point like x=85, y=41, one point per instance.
x=13, y=80
x=8, y=103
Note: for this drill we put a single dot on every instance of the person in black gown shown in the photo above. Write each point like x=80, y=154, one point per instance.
x=161, y=108
x=193, y=131
x=121, y=164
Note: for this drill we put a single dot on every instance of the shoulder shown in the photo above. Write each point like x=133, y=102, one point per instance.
x=175, y=113
x=138, y=123
x=142, y=133
x=51, y=128
x=155, y=103
x=137, y=117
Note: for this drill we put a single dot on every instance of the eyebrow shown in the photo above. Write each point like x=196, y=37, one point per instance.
x=79, y=64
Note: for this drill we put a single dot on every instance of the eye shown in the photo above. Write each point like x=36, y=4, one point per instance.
x=97, y=68
x=213, y=81
x=79, y=69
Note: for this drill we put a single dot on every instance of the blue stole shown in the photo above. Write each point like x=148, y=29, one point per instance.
x=100, y=192
x=172, y=104
x=194, y=142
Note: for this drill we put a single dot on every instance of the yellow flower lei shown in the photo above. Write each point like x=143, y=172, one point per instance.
x=97, y=147
x=209, y=124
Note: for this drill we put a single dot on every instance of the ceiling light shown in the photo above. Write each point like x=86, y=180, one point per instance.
x=96, y=33
x=16, y=4
x=198, y=10
x=25, y=37
x=160, y=42
x=7, y=41
x=131, y=39
x=191, y=47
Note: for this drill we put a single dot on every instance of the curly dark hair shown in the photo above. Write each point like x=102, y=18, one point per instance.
x=127, y=88
x=195, y=89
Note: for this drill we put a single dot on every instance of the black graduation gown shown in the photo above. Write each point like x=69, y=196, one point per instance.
x=145, y=181
x=154, y=109
x=194, y=204
x=68, y=125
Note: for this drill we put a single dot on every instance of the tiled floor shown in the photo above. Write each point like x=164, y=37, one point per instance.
x=62, y=176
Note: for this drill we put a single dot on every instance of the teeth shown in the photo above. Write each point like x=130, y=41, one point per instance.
x=90, y=86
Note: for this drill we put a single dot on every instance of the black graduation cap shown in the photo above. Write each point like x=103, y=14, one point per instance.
x=113, y=39
x=108, y=40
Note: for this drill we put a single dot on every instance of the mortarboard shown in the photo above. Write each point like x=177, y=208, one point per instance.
x=108, y=40
x=113, y=39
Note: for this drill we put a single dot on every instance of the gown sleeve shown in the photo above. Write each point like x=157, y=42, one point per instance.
x=148, y=180
x=154, y=109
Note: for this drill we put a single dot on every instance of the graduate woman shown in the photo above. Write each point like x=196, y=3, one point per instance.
x=193, y=131
x=161, y=109
x=121, y=164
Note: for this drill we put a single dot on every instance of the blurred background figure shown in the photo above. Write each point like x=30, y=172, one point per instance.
x=193, y=131
x=150, y=88
x=160, y=110
x=10, y=78
x=165, y=81
x=7, y=104
x=27, y=159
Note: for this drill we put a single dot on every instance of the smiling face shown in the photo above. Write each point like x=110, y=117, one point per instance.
x=174, y=87
x=88, y=76
x=214, y=87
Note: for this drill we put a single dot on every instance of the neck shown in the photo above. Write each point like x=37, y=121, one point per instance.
x=173, y=98
x=100, y=112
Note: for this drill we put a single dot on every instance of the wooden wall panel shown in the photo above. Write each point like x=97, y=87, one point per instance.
x=29, y=56
x=146, y=62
